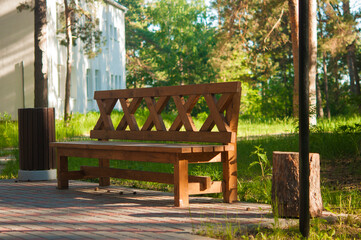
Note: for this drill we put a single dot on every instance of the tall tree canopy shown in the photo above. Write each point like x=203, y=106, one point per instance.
x=184, y=42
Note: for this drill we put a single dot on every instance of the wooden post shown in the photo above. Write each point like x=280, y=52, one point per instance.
x=229, y=161
x=181, y=196
x=286, y=184
x=104, y=181
x=62, y=163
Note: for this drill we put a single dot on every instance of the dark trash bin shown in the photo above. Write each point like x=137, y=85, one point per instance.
x=36, y=131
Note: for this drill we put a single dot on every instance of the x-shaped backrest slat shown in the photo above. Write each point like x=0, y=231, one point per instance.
x=105, y=108
x=216, y=109
x=155, y=109
x=184, y=110
x=129, y=110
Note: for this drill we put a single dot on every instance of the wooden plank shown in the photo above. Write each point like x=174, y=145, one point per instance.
x=167, y=178
x=129, y=146
x=120, y=155
x=202, y=157
x=204, y=181
x=216, y=137
x=184, y=114
x=154, y=118
x=128, y=116
x=21, y=128
x=96, y=172
x=105, y=108
x=133, y=106
x=188, y=106
x=196, y=188
x=185, y=90
x=216, y=115
x=222, y=104
x=233, y=122
x=181, y=196
x=72, y=175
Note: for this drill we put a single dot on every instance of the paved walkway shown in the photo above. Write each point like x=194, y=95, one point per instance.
x=37, y=210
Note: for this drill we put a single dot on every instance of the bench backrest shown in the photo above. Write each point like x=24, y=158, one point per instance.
x=222, y=99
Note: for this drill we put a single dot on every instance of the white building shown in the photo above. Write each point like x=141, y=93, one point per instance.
x=106, y=71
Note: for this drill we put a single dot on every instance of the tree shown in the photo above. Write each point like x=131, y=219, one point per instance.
x=293, y=12
x=313, y=60
x=170, y=43
x=40, y=45
x=79, y=23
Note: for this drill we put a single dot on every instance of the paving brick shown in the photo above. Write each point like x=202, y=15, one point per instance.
x=38, y=210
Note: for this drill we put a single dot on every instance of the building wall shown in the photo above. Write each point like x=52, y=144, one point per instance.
x=106, y=71
x=16, y=46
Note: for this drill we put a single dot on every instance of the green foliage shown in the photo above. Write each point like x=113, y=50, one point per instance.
x=11, y=168
x=262, y=161
x=84, y=26
x=8, y=131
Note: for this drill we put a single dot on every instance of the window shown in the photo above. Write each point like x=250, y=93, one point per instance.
x=60, y=19
x=115, y=34
x=112, y=85
x=116, y=85
x=98, y=80
x=89, y=84
x=61, y=81
x=111, y=31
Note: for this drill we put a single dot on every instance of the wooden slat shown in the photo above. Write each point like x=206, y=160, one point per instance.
x=216, y=137
x=128, y=116
x=215, y=115
x=184, y=114
x=73, y=175
x=133, y=106
x=196, y=188
x=205, y=182
x=203, y=158
x=167, y=178
x=154, y=118
x=185, y=90
x=105, y=108
x=96, y=172
x=159, y=157
x=188, y=106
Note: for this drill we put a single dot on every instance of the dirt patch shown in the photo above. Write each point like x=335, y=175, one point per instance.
x=342, y=174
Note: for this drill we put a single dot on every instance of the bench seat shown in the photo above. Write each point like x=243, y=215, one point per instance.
x=143, y=147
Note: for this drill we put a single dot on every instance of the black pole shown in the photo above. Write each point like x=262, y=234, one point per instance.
x=304, y=63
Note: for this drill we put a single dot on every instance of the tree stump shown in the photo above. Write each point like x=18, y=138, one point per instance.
x=285, y=184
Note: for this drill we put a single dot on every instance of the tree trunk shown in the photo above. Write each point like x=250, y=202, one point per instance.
x=351, y=68
x=325, y=79
x=69, y=52
x=293, y=11
x=286, y=184
x=40, y=47
x=335, y=73
x=319, y=98
x=313, y=60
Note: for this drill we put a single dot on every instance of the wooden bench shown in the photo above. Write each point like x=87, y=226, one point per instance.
x=218, y=136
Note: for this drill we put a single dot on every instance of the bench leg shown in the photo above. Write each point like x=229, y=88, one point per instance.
x=104, y=181
x=62, y=167
x=181, y=198
x=229, y=160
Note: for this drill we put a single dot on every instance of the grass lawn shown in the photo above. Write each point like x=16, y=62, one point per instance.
x=338, y=142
